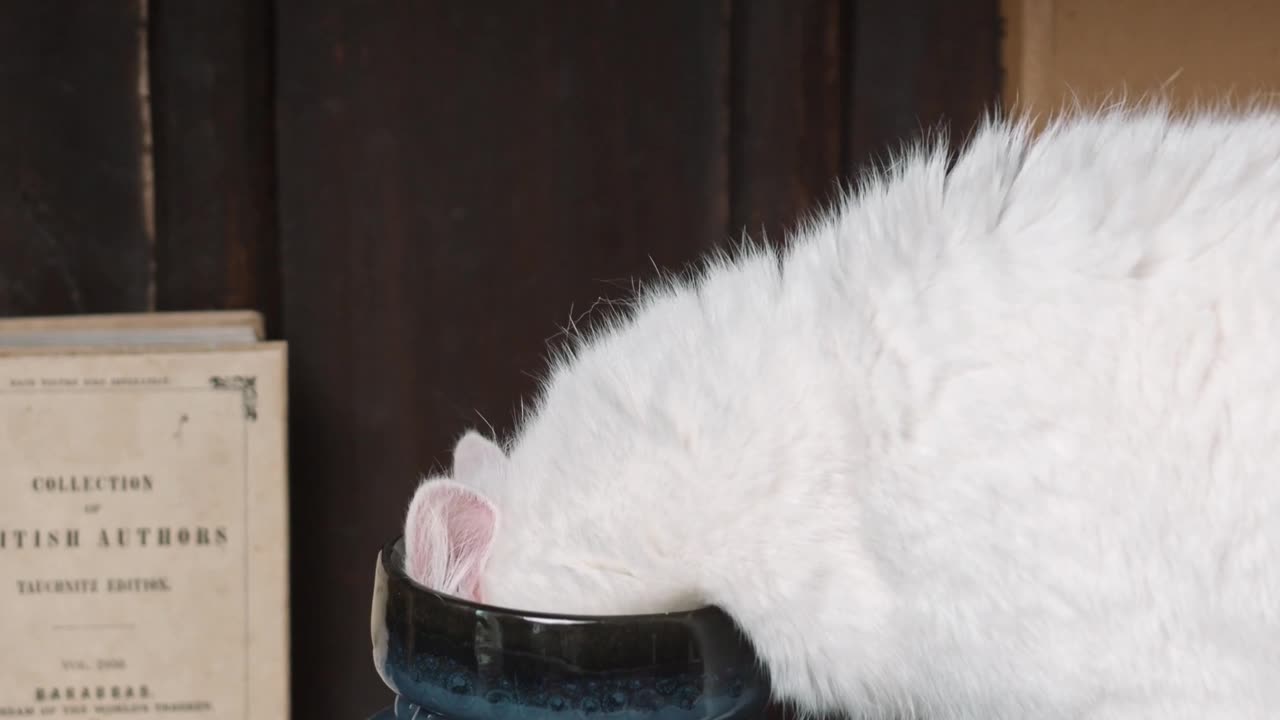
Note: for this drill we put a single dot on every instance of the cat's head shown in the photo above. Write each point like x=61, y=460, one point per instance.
x=537, y=539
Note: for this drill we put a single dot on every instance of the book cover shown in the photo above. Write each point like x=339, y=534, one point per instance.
x=143, y=526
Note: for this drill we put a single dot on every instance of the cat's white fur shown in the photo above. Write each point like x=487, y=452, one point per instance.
x=999, y=441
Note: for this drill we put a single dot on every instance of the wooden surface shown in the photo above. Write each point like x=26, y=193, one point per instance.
x=919, y=67
x=73, y=235
x=212, y=115
x=483, y=178
x=420, y=195
x=788, y=112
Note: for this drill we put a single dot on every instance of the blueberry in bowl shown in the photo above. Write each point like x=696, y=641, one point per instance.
x=458, y=660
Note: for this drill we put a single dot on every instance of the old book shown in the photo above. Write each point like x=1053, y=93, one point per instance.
x=143, y=517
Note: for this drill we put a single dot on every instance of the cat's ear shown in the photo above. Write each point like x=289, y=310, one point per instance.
x=448, y=535
x=474, y=455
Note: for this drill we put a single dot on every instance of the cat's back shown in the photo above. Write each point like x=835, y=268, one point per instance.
x=1112, y=281
x=1101, y=300
x=1082, y=335
x=1127, y=261
x=1122, y=265
x=1126, y=193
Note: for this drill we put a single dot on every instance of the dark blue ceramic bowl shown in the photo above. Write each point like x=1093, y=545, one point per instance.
x=457, y=660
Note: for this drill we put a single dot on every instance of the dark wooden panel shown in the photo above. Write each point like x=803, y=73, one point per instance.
x=73, y=231
x=455, y=179
x=214, y=159
x=917, y=66
x=788, y=104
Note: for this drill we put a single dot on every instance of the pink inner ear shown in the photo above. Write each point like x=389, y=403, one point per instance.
x=448, y=534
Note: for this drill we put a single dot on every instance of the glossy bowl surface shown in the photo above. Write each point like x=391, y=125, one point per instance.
x=464, y=661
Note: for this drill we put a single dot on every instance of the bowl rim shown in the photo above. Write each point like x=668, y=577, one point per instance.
x=389, y=549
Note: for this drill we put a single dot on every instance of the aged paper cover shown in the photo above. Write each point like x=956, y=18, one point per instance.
x=143, y=533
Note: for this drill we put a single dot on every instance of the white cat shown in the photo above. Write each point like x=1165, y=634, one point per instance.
x=999, y=441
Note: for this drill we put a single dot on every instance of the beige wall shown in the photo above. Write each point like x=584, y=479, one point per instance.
x=1186, y=50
